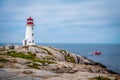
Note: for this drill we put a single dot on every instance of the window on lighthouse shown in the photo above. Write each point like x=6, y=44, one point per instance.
x=32, y=34
x=32, y=41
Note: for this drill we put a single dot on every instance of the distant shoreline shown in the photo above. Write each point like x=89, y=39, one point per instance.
x=3, y=44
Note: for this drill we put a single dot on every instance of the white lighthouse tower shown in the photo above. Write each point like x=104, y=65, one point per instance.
x=29, y=36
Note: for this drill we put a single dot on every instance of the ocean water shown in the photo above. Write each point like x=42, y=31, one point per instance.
x=110, y=56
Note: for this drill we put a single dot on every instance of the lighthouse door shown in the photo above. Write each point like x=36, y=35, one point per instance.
x=25, y=42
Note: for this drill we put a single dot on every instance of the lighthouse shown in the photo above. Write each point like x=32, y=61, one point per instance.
x=29, y=35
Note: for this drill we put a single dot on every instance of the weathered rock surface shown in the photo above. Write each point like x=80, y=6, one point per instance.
x=47, y=63
x=11, y=76
x=27, y=72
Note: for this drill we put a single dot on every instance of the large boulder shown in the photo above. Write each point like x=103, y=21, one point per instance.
x=27, y=72
x=54, y=52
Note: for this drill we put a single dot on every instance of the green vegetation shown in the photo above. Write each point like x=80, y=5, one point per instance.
x=63, y=51
x=26, y=47
x=67, y=56
x=1, y=66
x=70, y=59
x=117, y=77
x=28, y=55
x=100, y=78
x=46, y=51
x=3, y=60
x=48, y=58
x=34, y=65
x=43, y=61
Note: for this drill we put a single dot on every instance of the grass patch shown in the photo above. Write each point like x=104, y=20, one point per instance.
x=1, y=66
x=43, y=61
x=3, y=60
x=34, y=65
x=63, y=51
x=67, y=56
x=100, y=78
x=46, y=50
x=28, y=55
x=26, y=47
x=48, y=58
x=70, y=59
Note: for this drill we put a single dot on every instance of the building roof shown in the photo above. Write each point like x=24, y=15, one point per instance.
x=29, y=18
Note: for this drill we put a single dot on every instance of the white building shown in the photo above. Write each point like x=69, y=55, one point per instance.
x=29, y=36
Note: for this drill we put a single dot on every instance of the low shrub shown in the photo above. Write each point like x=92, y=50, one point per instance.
x=21, y=55
x=43, y=61
x=28, y=56
x=3, y=60
x=100, y=78
x=70, y=59
x=34, y=65
x=63, y=51
x=48, y=52
x=1, y=66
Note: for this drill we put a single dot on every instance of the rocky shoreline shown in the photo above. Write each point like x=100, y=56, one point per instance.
x=48, y=63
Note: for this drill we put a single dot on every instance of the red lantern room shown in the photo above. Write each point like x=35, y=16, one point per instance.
x=30, y=21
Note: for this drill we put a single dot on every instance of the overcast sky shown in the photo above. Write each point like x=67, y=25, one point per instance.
x=61, y=21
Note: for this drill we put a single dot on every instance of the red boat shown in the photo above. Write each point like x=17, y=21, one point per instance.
x=97, y=53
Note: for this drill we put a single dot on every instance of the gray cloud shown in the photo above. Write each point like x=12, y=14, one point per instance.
x=76, y=18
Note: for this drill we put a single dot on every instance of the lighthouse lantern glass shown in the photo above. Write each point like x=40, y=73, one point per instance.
x=30, y=21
